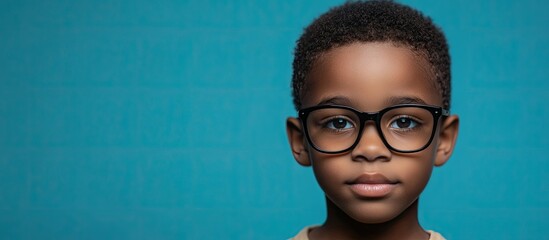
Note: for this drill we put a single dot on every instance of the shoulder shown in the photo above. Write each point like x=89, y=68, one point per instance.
x=435, y=235
x=303, y=234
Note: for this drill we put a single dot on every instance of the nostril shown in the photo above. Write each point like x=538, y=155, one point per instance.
x=370, y=158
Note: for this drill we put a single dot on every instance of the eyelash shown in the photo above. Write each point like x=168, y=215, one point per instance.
x=417, y=122
x=324, y=123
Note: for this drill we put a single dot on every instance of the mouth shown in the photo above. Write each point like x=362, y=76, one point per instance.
x=374, y=185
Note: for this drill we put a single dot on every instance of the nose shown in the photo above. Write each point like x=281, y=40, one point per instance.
x=370, y=146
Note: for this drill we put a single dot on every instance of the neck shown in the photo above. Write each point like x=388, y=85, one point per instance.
x=339, y=225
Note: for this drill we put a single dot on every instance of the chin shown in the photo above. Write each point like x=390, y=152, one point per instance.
x=373, y=214
x=372, y=218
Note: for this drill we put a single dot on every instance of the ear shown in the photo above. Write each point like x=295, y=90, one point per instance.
x=297, y=141
x=447, y=139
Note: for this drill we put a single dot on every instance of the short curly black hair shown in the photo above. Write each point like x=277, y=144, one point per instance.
x=372, y=21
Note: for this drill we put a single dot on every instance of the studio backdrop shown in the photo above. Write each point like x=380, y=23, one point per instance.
x=166, y=120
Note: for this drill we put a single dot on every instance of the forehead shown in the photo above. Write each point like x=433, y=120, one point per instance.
x=369, y=75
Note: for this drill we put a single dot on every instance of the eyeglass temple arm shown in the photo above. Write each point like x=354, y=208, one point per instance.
x=445, y=112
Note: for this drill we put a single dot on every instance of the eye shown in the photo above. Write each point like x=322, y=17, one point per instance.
x=404, y=122
x=339, y=123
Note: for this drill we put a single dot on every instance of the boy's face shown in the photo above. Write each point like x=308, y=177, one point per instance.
x=370, y=77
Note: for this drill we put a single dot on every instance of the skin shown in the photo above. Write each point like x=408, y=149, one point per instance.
x=370, y=77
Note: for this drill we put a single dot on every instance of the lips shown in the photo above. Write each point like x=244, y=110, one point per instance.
x=374, y=185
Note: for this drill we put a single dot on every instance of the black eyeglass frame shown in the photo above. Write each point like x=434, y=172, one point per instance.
x=436, y=111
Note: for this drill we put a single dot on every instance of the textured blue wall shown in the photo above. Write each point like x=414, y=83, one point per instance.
x=165, y=120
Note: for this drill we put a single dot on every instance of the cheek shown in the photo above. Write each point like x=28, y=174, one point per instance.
x=416, y=170
x=329, y=171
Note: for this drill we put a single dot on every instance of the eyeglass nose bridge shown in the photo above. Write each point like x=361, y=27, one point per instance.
x=375, y=118
x=366, y=116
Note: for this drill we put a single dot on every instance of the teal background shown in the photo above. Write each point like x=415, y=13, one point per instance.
x=165, y=120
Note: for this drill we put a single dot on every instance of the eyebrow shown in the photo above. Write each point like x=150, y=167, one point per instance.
x=404, y=100
x=341, y=100
x=337, y=100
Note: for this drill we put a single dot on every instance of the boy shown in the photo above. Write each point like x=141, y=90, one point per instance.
x=371, y=83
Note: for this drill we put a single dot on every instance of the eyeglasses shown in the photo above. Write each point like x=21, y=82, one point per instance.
x=405, y=128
